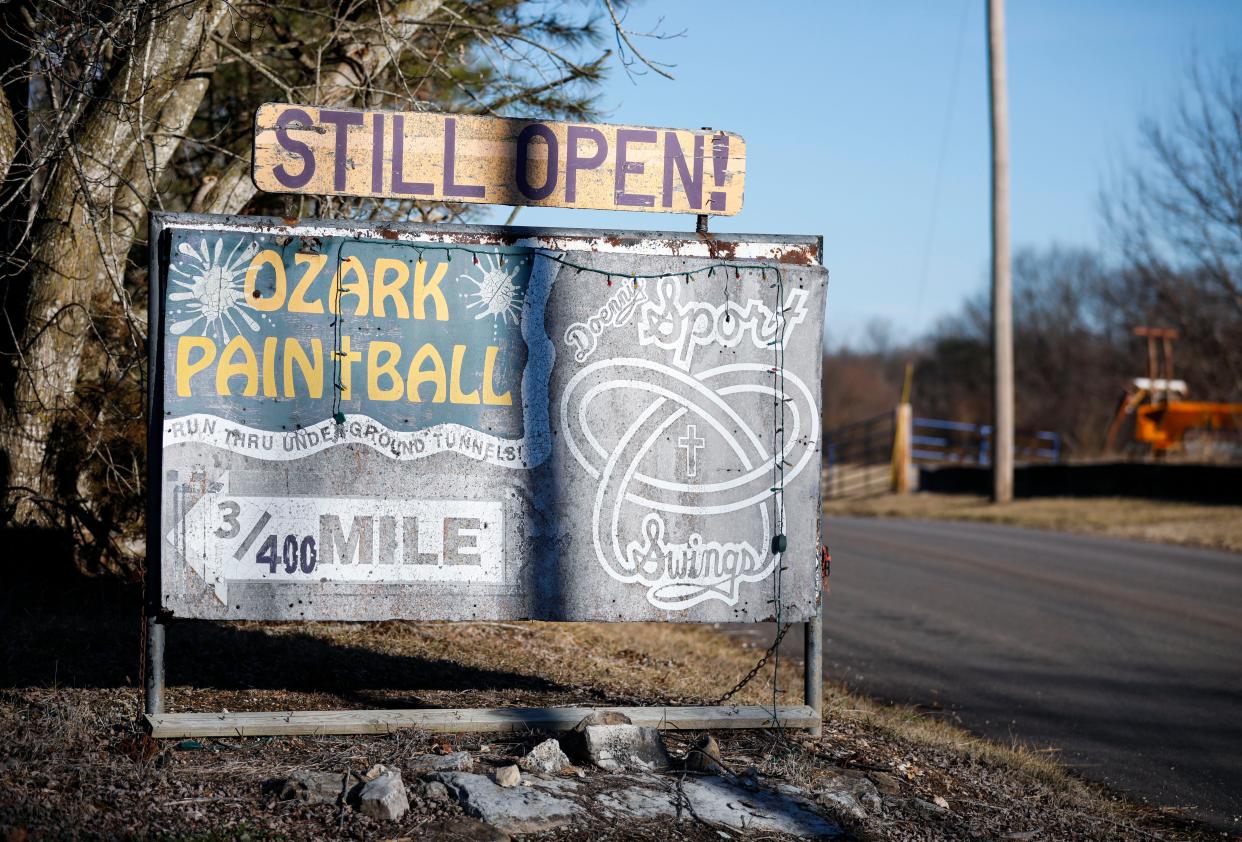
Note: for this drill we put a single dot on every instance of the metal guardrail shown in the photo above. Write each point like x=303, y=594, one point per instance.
x=858, y=457
x=938, y=440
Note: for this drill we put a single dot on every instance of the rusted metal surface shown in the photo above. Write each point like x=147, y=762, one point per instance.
x=520, y=423
x=496, y=160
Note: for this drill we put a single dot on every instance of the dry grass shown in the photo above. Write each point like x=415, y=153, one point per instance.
x=1188, y=524
x=75, y=763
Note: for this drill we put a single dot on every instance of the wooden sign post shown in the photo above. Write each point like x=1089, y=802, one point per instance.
x=496, y=160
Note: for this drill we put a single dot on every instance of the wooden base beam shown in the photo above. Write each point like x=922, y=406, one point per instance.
x=322, y=722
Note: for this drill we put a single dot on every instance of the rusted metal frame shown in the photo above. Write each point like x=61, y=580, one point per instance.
x=813, y=629
x=790, y=249
x=813, y=668
x=155, y=621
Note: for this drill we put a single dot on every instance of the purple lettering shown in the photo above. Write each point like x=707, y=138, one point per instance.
x=451, y=187
x=524, y=139
x=283, y=123
x=675, y=158
x=720, y=160
x=573, y=163
x=342, y=120
x=626, y=167
x=399, y=184
x=377, y=154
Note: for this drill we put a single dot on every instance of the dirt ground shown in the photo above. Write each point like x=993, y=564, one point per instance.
x=75, y=764
x=1188, y=524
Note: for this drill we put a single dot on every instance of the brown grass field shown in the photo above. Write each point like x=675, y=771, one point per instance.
x=1188, y=524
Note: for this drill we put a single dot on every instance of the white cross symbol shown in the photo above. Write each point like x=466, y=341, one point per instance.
x=693, y=444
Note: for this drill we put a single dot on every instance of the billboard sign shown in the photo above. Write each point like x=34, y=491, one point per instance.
x=438, y=157
x=364, y=422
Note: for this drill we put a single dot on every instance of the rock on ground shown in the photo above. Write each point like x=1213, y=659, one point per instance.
x=885, y=783
x=603, y=717
x=434, y=791
x=517, y=810
x=574, y=741
x=547, y=757
x=383, y=797
x=718, y=802
x=927, y=808
x=458, y=761
x=311, y=787
x=849, y=793
x=507, y=776
x=616, y=748
x=705, y=756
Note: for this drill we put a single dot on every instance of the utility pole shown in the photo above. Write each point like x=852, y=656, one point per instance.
x=1002, y=296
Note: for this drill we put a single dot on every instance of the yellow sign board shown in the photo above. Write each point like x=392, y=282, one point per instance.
x=496, y=160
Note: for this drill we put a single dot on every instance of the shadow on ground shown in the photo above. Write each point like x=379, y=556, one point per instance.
x=61, y=629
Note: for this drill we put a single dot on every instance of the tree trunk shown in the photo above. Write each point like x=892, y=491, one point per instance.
x=77, y=252
x=381, y=41
x=8, y=136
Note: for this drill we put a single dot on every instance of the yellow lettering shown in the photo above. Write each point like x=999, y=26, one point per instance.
x=456, y=395
x=347, y=358
x=417, y=377
x=385, y=290
x=267, y=257
x=269, y=367
x=314, y=264
x=230, y=366
x=424, y=288
x=312, y=372
x=388, y=368
x=359, y=287
x=489, y=370
x=187, y=369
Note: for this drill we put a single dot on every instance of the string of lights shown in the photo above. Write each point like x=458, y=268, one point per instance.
x=779, y=541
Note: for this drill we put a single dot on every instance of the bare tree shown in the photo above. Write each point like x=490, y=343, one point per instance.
x=110, y=107
x=1176, y=212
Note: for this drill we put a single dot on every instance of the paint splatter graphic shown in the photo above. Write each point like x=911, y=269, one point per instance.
x=210, y=294
x=495, y=293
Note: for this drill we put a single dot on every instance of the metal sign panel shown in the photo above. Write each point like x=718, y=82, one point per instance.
x=496, y=160
x=359, y=422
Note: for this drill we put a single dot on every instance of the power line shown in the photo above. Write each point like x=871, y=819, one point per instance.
x=944, y=149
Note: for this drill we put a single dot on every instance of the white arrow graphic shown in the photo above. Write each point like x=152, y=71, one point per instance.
x=218, y=526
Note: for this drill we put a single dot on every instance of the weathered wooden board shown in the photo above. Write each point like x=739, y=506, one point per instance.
x=282, y=723
x=496, y=160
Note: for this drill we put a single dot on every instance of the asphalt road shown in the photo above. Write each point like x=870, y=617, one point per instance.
x=1125, y=656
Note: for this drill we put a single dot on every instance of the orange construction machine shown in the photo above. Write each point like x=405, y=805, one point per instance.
x=1162, y=419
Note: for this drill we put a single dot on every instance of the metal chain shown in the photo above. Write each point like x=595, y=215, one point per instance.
x=755, y=669
x=778, y=492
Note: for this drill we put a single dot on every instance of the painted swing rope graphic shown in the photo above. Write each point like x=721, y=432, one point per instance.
x=679, y=574
x=682, y=573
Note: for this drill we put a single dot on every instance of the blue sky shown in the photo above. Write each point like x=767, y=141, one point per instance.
x=843, y=106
